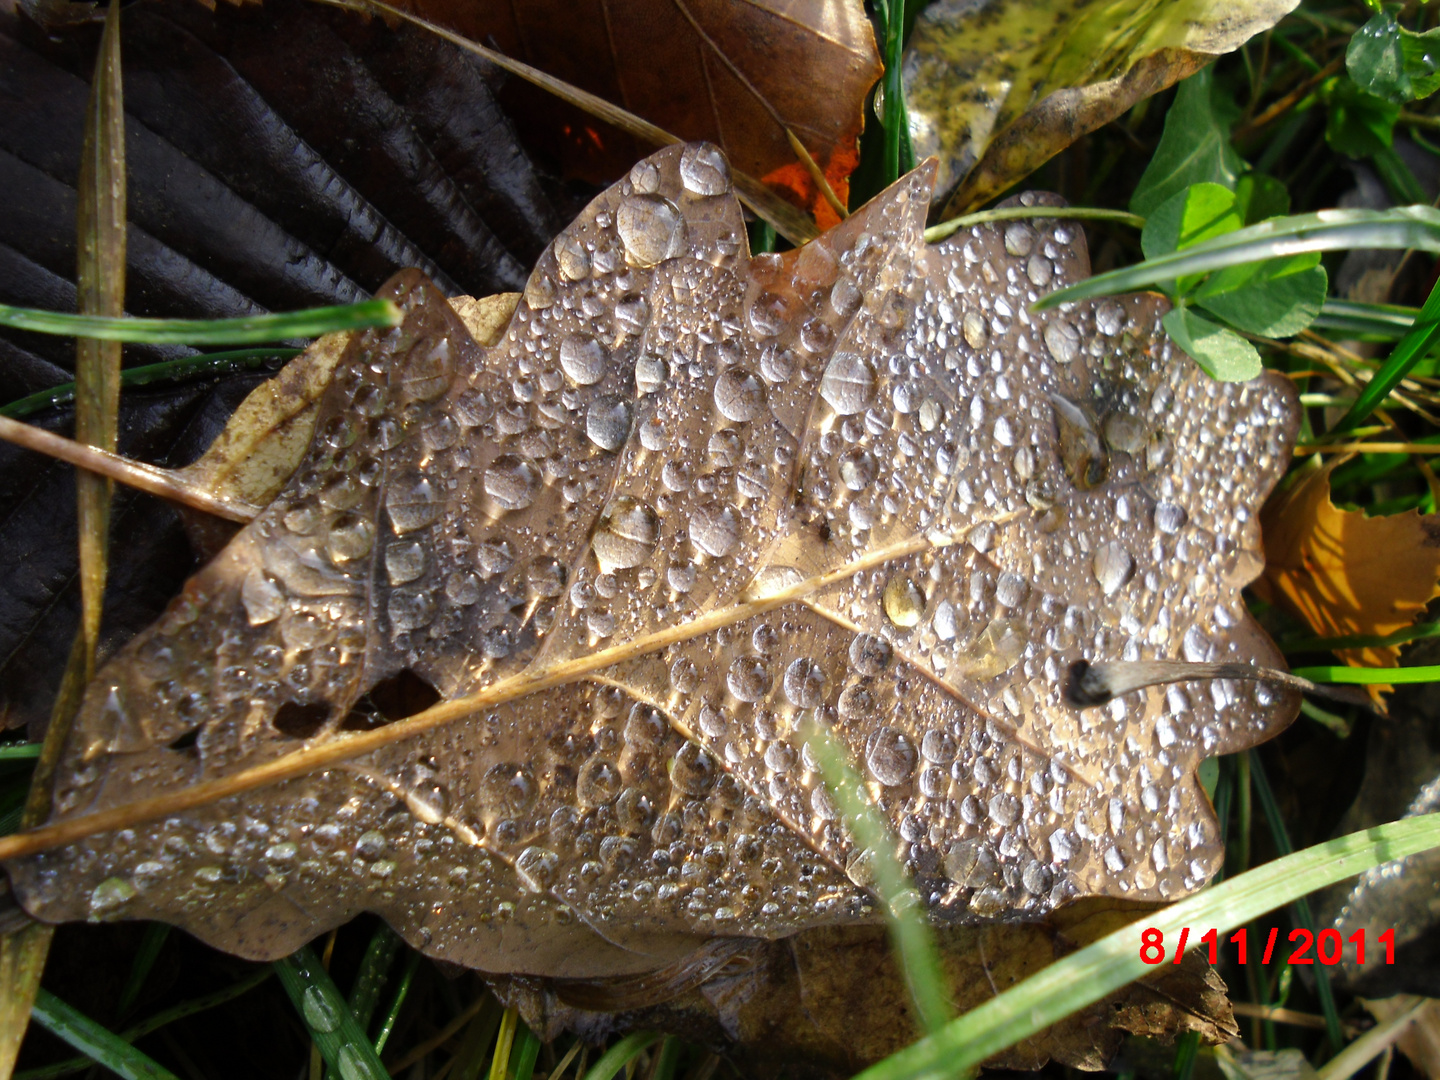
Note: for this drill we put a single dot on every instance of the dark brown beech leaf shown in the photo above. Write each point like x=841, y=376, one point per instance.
x=690, y=504
x=279, y=158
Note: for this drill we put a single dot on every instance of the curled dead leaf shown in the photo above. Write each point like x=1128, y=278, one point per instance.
x=524, y=655
x=996, y=90
x=1343, y=572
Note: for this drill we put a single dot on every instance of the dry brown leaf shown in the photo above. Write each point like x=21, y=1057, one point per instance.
x=1420, y=1041
x=690, y=504
x=735, y=72
x=1345, y=573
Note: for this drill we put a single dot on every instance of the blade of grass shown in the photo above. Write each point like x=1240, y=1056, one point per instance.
x=896, y=121
x=100, y=291
x=397, y=1003
x=667, y=1058
x=196, y=367
x=526, y=1053
x=95, y=1042
x=1366, y=322
x=1413, y=346
x=1303, y=916
x=936, y=233
x=1360, y=641
x=156, y=934
x=155, y=1023
x=1370, y=1045
x=909, y=932
x=1328, y=230
x=246, y=330
x=374, y=966
x=1358, y=676
x=500, y=1062
x=20, y=752
x=621, y=1054
x=327, y=1017
x=1091, y=973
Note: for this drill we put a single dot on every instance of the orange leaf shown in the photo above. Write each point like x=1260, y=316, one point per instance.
x=1345, y=573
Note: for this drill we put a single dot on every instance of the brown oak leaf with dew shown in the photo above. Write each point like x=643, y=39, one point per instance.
x=534, y=635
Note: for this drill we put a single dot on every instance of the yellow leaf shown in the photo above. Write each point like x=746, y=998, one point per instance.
x=1345, y=573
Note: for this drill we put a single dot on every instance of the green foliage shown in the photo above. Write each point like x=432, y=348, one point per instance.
x=1195, y=147
x=1393, y=63
x=1222, y=353
x=1358, y=123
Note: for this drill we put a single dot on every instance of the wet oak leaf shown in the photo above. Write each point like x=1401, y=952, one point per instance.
x=690, y=504
x=1343, y=572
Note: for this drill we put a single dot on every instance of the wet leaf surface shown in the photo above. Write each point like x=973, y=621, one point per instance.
x=689, y=505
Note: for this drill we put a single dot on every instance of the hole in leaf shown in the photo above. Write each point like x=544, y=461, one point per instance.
x=187, y=740
x=300, y=721
x=402, y=694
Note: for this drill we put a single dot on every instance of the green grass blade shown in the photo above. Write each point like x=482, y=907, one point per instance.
x=332, y=1026
x=909, y=932
x=936, y=233
x=206, y=365
x=528, y=1051
x=1328, y=230
x=1099, y=969
x=20, y=752
x=618, y=1056
x=397, y=1003
x=1303, y=916
x=1366, y=322
x=95, y=1042
x=248, y=330
x=156, y=934
x=1370, y=676
x=370, y=980
x=1413, y=346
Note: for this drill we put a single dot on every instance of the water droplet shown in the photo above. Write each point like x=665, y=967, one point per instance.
x=890, y=756
x=1109, y=318
x=262, y=598
x=110, y=895
x=939, y=747
x=583, y=359
x=607, y=422
x=354, y=1066
x=714, y=529
x=597, y=784
x=410, y=610
x=572, y=257
x=512, y=482
x=748, y=678
x=739, y=395
x=857, y=468
x=975, y=330
x=869, y=655
x=1113, y=567
x=429, y=803
x=693, y=772
x=536, y=868
x=1082, y=453
x=903, y=601
x=1062, y=340
x=626, y=534
x=704, y=170
x=1170, y=518
x=651, y=229
x=404, y=562
x=804, y=683
x=848, y=384
x=684, y=676
x=1019, y=238
x=320, y=1013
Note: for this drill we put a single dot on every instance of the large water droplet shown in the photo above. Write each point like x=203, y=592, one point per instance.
x=607, y=422
x=704, y=170
x=627, y=533
x=903, y=601
x=355, y=1066
x=804, y=683
x=748, y=678
x=869, y=655
x=583, y=359
x=1113, y=566
x=512, y=482
x=320, y=1013
x=651, y=229
x=412, y=503
x=536, y=868
x=262, y=598
x=597, y=784
x=110, y=895
x=890, y=756
x=714, y=529
x=1082, y=453
x=1062, y=340
x=739, y=395
x=848, y=383
x=693, y=772
x=857, y=468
